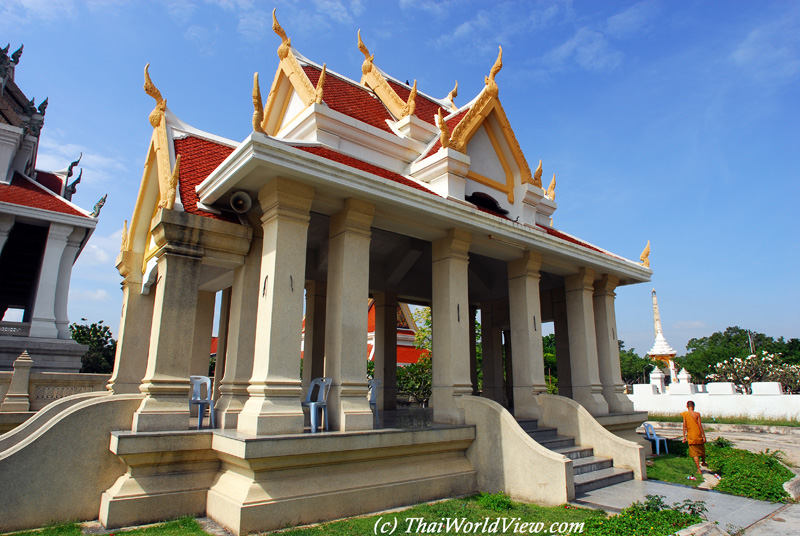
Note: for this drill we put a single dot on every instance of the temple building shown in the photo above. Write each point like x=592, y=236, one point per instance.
x=346, y=190
x=41, y=235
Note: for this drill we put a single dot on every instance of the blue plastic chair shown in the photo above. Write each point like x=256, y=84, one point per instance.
x=650, y=434
x=319, y=402
x=373, y=386
x=202, y=402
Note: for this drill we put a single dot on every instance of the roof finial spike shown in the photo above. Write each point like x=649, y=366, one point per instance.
x=152, y=90
x=411, y=103
x=98, y=206
x=286, y=43
x=258, y=106
x=444, y=134
x=320, y=85
x=537, y=175
x=452, y=96
x=551, y=190
x=368, y=58
x=498, y=64
x=645, y=257
x=16, y=55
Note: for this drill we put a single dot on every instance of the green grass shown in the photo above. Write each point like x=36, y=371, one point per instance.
x=185, y=526
x=758, y=476
x=725, y=420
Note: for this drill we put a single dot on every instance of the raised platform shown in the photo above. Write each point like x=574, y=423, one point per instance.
x=248, y=483
x=49, y=355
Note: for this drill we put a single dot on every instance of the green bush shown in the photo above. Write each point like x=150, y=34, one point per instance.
x=757, y=476
x=499, y=502
x=653, y=518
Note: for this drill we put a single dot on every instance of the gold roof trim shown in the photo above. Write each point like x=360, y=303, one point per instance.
x=320, y=85
x=551, y=190
x=167, y=177
x=373, y=79
x=452, y=96
x=645, y=256
x=537, y=175
x=444, y=131
x=258, y=107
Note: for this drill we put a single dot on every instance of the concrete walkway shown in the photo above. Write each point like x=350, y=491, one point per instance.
x=783, y=522
x=727, y=510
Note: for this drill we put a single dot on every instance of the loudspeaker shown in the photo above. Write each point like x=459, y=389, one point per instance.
x=241, y=202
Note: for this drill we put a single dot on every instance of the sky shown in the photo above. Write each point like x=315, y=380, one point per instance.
x=672, y=121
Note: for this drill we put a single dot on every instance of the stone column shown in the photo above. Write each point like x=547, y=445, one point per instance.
x=473, y=350
x=166, y=381
x=64, y=275
x=6, y=223
x=605, y=321
x=561, y=327
x=492, y=340
x=16, y=398
x=133, y=339
x=526, y=333
x=386, y=348
x=240, y=352
x=203, y=328
x=222, y=341
x=43, y=323
x=274, y=403
x=346, y=316
x=450, y=318
x=586, y=387
x=314, y=340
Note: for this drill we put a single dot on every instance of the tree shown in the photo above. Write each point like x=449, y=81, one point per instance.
x=634, y=369
x=764, y=368
x=416, y=379
x=99, y=358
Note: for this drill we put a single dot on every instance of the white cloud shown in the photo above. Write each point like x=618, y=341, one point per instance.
x=633, y=20
x=589, y=49
x=97, y=295
x=98, y=169
x=203, y=39
x=100, y=251
x=770, y=54
x=23, y=11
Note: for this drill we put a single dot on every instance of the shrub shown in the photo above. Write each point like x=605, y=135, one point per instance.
x=499, y=502
x=757, y=476
x=653, y=517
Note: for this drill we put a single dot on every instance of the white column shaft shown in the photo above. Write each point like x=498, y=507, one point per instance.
x=605, y=320
x=43, y=323
x=64, y=276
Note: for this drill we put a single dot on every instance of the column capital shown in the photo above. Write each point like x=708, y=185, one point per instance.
x=59, y=231
x=356, y=217
x=287, y=199
x=454, y=245
x=583, y=280
x=6, y=222
x=606, y=285
x=529, y=265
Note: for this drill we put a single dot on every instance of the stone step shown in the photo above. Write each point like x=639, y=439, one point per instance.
x=556, y=442
x=529, y=425
x=542, y=433
x=600, y=479
x=588, y=464
x=575, y=452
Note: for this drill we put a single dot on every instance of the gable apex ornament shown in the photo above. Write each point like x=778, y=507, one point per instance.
x=161, y=102
x=645, y=256
x=374, y=79
x=286, y=43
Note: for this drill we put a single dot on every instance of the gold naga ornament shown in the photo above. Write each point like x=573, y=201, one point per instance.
x=645, y=256
x=372, y=78
x=551, y=190
x=537, y=175
x=452, y=96
x=167, y=177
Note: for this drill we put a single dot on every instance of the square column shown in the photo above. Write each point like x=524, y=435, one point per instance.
x=562, y=342
x=450, y=317
x=586, y=387
x=526, y=333
x=166, y=381
x=222, y=341
x=241, y=343
x=203, y=327
x=274, y=403
x=314, y=340
x=133, y=343
x=386, y=348
x=64, y=275
x=492, y=347
x=43, y=323
x=605, y=321
x=346, y=316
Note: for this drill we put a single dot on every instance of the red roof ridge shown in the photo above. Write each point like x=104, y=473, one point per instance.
x=66, y=207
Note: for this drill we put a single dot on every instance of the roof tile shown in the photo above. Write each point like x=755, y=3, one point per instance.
x=199, y=157
x=27, y=193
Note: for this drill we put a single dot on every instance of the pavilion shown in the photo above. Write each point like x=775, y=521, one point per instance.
x=346, y=190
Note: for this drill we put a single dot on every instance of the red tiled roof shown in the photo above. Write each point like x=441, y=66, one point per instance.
x=330, y=154
x=451, y=123
x=199, y=157
x=27, y=193
x=51, y=181
x=426, y=108
x=351, y=99
x=214, y=342
x=409, y=354
x=568, y=238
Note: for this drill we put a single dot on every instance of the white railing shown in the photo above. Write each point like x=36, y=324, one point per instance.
x=16, y=329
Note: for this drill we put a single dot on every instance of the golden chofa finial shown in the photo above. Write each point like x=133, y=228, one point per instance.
x=411, y=103
x=645, y=258
x=444, y=131
x=537, y=175
x=152, y=90
x=368, y=59
x=320, y=85
x=498, y=64
x=258, y=106
x=286, y=43
x=452, y=96
x=551, y=190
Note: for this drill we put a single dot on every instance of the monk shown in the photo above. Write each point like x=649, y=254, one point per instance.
x=694, y=435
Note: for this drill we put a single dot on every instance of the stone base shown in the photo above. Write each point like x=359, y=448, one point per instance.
x=624, y=425
x=48, y=355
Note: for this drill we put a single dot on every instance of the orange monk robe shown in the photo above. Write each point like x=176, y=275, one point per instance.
x=694, y=435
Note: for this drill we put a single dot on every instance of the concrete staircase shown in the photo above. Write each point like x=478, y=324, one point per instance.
x=590, y=471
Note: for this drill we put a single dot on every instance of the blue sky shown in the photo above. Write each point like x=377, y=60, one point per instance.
x=669, y=121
